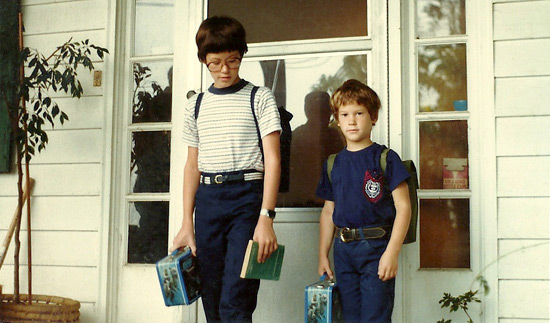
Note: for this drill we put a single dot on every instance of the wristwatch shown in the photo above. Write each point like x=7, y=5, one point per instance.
x=269, y=213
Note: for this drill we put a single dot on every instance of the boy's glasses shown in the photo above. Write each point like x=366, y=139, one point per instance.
x=231, y=63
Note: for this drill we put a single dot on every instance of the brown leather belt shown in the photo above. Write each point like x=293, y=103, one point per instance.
x=356, y=234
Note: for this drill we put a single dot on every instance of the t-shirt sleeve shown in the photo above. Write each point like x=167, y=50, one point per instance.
x=190, y=133
x=395, y=170
x=324, y=188
x=268, y=115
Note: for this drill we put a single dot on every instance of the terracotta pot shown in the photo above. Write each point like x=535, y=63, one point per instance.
x=42, y=309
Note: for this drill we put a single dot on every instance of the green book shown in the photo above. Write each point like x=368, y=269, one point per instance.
x=270, y=269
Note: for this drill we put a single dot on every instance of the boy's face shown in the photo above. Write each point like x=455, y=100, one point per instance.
x=356, y=124
x=224, y=68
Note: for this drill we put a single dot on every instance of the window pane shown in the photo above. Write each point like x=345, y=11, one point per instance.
x=279, y=20
x=440, y=18
x=442, y=77
x=154, y=22
x=150, y=168
x=445, y=233
x=303, y=86
x=444, y=155
x=152, y=101
x=147, y=232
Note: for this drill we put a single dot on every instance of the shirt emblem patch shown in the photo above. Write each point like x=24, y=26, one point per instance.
x=372, y=187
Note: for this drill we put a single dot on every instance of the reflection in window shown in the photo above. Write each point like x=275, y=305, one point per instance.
x=445, y=233
x=280, y=20
x=444, y=154
x=150, y=163
x=441, y=77
x=303, y=86
x=147, y=232
x=153, y=33
x=440, y=18
x=152, y=97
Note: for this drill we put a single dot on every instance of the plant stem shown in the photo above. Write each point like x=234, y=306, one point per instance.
x=27, y=171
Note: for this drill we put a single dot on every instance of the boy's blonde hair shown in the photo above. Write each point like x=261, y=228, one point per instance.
x=353, y=91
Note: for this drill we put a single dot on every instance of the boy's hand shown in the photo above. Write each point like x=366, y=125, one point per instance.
x=265, y=236
x=185, y=237
x=324, y=267
x=387, y=268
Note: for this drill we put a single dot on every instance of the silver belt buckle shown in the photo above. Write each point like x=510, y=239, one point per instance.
x=218, y=179
x=342, y=238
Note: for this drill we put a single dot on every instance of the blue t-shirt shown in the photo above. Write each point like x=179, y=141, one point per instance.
x=361, y=195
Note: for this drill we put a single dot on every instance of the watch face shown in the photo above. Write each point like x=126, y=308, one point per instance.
x=269, y=213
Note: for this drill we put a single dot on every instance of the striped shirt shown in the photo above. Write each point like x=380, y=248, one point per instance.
x=225, y=132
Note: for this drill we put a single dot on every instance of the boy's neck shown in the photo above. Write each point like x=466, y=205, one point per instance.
x=356, y=146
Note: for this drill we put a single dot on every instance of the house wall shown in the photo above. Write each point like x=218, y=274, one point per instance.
x=66, y=208
x=522, y=119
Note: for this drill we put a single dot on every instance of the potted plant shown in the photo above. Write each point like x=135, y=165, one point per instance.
x=30, y=107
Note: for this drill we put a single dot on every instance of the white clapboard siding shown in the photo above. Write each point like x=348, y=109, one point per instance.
x=62, y=17
x=522, y=57
x=518, y=255
x=528, y=19
x=517, y=136
x=78, y=283
x=65, y=213
x=47, y=43
x=84, y=113
x=527, y=299
x=59, y=248
x=523, y=176
x=522, y=96
x=521, y=31
x=521, y=218
x=72, y=146
x=58, y=180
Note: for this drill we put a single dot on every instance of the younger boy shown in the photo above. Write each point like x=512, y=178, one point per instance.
x=370, y=224
x=228, y=182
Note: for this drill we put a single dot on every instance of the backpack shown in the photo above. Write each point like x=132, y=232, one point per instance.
x=412, y=182
x=285, y=138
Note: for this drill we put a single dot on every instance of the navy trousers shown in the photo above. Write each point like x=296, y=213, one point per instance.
x=225, y=218
x=365, y=298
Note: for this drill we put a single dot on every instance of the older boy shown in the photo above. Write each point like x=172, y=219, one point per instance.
x=229, y=184
x=369, y=213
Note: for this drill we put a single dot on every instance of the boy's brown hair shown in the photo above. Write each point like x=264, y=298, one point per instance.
x=220, y=34
x=353, y=91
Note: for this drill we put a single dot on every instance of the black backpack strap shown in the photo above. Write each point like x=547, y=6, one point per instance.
x=252, y=97
x=198, y=104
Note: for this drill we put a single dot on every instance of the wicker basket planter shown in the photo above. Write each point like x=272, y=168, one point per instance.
x=42, y=309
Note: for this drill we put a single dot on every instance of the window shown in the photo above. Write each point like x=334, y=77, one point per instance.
x=303, y=71
x=303, y=87
x=441, y=121
x=282, y=20
x=149, y=112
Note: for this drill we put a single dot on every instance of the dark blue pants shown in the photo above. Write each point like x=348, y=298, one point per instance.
x=225, y=218
x=365, y=298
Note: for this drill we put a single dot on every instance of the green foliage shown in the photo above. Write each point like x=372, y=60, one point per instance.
x=458, y=302
x=33, y=106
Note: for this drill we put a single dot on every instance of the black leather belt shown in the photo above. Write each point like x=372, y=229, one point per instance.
x=356, y=234
x=212, y=179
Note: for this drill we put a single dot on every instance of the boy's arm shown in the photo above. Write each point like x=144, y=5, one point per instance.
x=191, y=179
x=387, y=269
x=264, y=233
x=326, y=235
